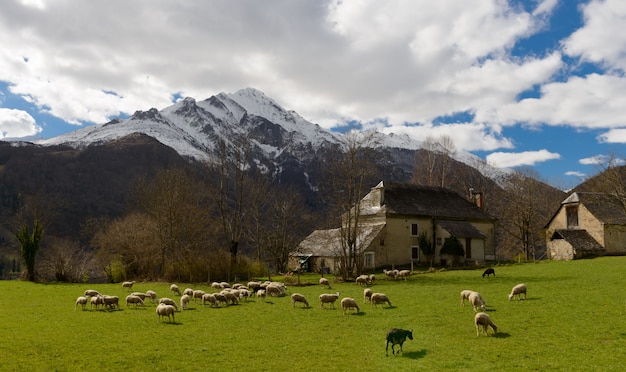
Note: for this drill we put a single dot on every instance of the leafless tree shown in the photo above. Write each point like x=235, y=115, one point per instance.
x=433, y=162
x=611, y=178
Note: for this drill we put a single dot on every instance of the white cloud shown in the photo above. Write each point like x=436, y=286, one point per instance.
x=516, y=159
x=17, y=123
x=576, y=174
x=617, y=135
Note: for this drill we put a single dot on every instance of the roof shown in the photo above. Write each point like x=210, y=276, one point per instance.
x=604, y=207
x=326, y=243
x=429, y=201
x=461, y=229
x=580, y=240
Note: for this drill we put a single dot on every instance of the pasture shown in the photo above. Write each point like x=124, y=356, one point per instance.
x=573, y=319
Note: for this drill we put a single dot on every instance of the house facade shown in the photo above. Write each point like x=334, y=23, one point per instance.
x=585, y=224
x=393, y=215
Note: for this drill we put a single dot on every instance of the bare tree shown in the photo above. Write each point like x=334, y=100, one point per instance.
x=433, y=163
x=447, y=153
x=350, y=175
x=611, y=178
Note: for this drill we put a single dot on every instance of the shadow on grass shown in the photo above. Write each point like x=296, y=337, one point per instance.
x=418, y=354
x=500, y=335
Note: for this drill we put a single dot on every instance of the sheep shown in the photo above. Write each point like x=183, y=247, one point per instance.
x=260, y=295
x=367, y=295
x=221, y=298
x=82, y=300
x=231, y=297
x=132, y=299
x=328, y=298
x=224, y=285
x=362, y=280
x=174, y=289
x=168, y=301
x=210, y=298
x=348, y=303
x=297, y=297
x=372, y=278
x=244, y=293
x=254, y=286
x=97, y=301
x=111, y=301
x=197, y=294
x=325, y=283
x=152, y=294
x=379, y=298
x=397, y=336
x=484, y=320
x=184, y=301
x=404, y=274
x=216, y=285
x=488, y=272
x=165, y=310
x=275, y=290
x=465, y=295
x=140, y=295
x=517, y=291
x=391, y=274
x=477, y=301
x=91, y=293
x=128, y=285
x=188, y=291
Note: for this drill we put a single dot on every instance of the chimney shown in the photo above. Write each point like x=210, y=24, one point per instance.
x=476, y=197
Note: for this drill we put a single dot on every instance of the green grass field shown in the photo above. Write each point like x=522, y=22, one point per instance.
x=573, y=319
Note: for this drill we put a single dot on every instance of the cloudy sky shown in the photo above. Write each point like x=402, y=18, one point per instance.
x=521, y=83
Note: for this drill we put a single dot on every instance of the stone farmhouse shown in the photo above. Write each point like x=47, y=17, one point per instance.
x=392, y=216
x=586, y=224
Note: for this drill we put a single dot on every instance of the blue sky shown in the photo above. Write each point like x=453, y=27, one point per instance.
x=534, y=84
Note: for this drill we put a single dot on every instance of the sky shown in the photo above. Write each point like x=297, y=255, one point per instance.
x=523, y=84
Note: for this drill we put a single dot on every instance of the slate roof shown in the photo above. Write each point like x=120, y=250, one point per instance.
x=325, y=243
x=429, y=201
x=580, y=240
x=461, y=229
x=603, y=206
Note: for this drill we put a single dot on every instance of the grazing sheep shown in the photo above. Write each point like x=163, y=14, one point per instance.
x=82, y=300
x=224, y=285
x=244, y=293
x=367, y=295
x=132, y=299
x=165, y=310
x=254, y=286
x=184, y=301
x=210, y=298
x=111, y=301
x=97, y=301
x=465, y=295
x=372, y=278
x=231, y=297
x=391, y=274
x=482, y=320
x=328, y=298
x=488, y=272
x=348, y=303
x=168, y=301
x=152, y=295
x=362, y=280
x=260, y=295
x=174, y=289
x=404, y=274
x=128, y=285
x=198, y=293
x=91, y=293
x=275, y=290
x=221, y=299
x=325, y=283
x=297, y=297
x=378, y=298
x=188, y=291
x=517, y=291
x=477, y=301
x=140, y=295
x=397, y=336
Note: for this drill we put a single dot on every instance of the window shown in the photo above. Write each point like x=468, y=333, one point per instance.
x=369, y=259
x=415, y=253
x=572, y=216
x=414, y=229
x=382, y=242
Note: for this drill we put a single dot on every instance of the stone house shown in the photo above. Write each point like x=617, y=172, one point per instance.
x=586, y=224
x=392, y=216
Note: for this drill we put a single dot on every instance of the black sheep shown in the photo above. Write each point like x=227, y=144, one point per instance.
x=488, y=272
x=397, y=337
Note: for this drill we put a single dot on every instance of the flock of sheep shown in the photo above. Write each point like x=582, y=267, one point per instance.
x=482, y=320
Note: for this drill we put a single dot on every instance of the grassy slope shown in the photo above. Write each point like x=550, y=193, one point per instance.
x=573, y=319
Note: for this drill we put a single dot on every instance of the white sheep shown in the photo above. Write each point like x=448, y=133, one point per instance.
x=184, y=301
x=128, y=285
x=231, y=297
x=82, y=300
x=348, y=303
x=367, y=295
x=404, y=274
x=297, y=297
x=325, y=283
x=111, y=301
x=133, y=299
x=174, y=289
x=362, y=280
x=216, y=285
x=477, y=301
x=275, y=290
x=372, y=278
x=198, y=293
x=465, y=295
x=482, y=320
x=97, y=301
x=168, y=301
x=391, y=274
x=140, y=295
x=517, y=291
x=378, y=298
x=224, y=285
x=328, y=298
x=165, y=310
x=91, y=293
x=260, y=295
x=188, y=291
x=152, y=295
x=210, y=298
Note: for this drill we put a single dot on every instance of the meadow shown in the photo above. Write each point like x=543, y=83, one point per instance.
x=573, y=319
